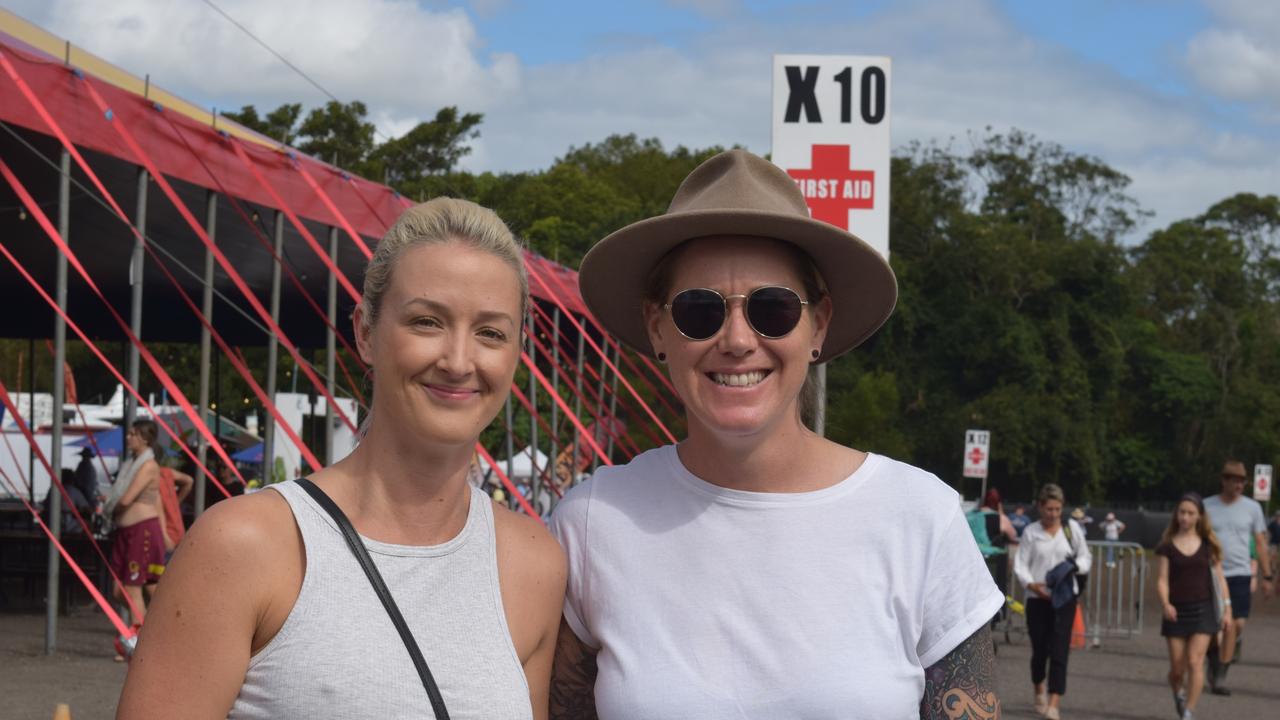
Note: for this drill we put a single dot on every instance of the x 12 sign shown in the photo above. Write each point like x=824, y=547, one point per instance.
x=977, y=453
x=831, y=134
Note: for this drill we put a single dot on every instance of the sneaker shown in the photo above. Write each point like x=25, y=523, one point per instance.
x=1188, y=715
x=1220, y=690
x=1051, y=713
x=1042, y=703
x=1180, y=703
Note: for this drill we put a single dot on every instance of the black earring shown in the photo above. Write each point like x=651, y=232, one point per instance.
x=816, y=354
x=662, y=357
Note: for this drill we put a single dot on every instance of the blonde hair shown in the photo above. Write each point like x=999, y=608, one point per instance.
x=1051, y=491
x=438, y=221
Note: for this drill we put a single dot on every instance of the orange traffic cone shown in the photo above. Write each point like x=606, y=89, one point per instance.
x=62, y=712
x=1077, y=630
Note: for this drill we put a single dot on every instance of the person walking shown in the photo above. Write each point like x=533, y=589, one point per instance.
x=268, y=610
x=1190, y=565
x=721, y=576
x=1237, y=521
x=1051, y=554
x=137, y=541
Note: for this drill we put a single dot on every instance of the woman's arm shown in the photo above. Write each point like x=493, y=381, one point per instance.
x=962, y=684
x=1162, y=589
x=208, y=610
x=1225, y=593
x=183, y=482
x=147, y=474
x=573, y=678
x=1083, y=557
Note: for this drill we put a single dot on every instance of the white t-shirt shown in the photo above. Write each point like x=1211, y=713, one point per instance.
x=706, y=602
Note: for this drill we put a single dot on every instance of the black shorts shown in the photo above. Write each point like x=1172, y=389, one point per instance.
x=1241, y=598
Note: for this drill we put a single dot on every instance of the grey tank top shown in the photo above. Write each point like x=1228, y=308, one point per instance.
x=338, y=655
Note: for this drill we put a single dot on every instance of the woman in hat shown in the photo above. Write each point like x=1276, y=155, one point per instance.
x=755, y=569
x=265, y=611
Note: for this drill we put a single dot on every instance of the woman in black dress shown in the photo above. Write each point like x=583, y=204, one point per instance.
x=1190, y=559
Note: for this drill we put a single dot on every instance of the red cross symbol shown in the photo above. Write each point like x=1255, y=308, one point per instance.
x=976, y=455
x=831, y=189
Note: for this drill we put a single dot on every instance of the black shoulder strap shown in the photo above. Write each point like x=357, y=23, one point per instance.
x=380, y=587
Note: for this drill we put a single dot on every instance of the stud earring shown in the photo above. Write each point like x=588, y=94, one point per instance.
x=816, y=354
x=662, y=357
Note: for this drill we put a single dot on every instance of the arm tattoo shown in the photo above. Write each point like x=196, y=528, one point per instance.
x=961, y=686
x=573, y=678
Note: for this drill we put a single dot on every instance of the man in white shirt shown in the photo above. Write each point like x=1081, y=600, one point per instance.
x=1235, y=518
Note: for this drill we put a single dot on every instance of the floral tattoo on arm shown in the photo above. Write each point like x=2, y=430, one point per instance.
x=961, y=686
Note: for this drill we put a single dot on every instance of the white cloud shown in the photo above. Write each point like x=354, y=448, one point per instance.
x=394, y=55
x=1238, y=57
x=958, y=66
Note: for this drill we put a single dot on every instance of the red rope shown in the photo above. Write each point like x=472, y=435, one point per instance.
x=196, y=227
x=599, y=397
x=596, y=400
x=151, y=361
x=603, y=356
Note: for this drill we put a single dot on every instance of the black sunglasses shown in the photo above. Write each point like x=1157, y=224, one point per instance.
x=772, y=311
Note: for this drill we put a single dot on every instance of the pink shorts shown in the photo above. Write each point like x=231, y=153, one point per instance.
x=137, y=552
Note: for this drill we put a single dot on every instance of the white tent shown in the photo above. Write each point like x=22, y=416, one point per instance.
x=522, y=464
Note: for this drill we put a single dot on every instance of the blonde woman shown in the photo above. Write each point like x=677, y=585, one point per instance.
x=1051, y=554
x=265, y=611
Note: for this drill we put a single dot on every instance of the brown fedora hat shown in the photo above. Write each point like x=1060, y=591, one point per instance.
x=738, y=193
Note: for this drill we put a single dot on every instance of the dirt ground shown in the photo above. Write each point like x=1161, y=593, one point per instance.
x=1123, y=679
x=81, y=674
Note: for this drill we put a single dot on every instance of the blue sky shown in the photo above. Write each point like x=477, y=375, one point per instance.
x=1181, y=95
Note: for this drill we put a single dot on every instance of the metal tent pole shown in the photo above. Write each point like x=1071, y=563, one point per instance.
x=31, y=413
x=555, y=387
x=59, y=396
x=331, y=348
x=613, y=401
x=604, y=368
x=577, y=411
x=533, y=420
x=511, y=445
x=273, y=350
x=206, y=308
x=135, y=303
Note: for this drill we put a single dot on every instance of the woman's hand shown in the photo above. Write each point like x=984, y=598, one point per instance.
x=1040, y=590
x=1226, y=618
x=1170, y=612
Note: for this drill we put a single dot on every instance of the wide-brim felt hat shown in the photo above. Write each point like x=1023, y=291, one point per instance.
x=738, y=193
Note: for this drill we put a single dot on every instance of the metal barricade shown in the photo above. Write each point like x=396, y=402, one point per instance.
x=1114, y=594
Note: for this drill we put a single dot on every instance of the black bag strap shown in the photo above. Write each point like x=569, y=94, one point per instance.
x=375, y=579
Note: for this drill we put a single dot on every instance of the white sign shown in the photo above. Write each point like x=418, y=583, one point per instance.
x=831, y=133
x=1262, y=482
x=977, y=451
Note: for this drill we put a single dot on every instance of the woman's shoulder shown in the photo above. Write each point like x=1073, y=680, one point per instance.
x=528, y=555
x=239, y=528
x=913, y=486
